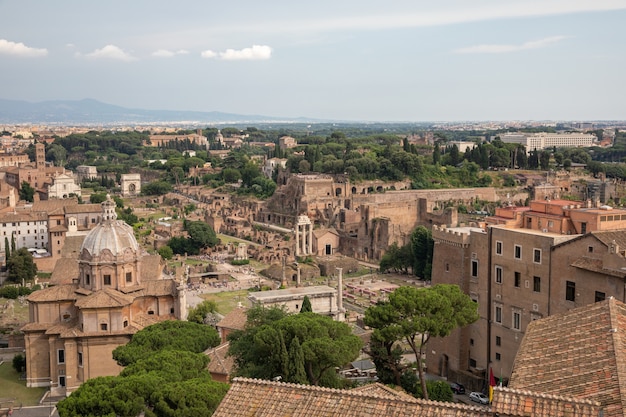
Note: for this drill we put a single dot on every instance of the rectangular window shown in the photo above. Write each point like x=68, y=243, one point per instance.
x=107, y=280
x=87, y=279
x=570, y=291
x=498, y=314
x=590, y=249
x=517, y=318
x=498, y=274
x=80, y=359
x=600, y=296
x=447, y=267
x=129, y=277
x=537, y=256
x=537, y=284
x=497, y=356
x=498, y=248
x=518, y=252
x=474, y=268
x=518, y=279
x=103, y=326
x=498, y=341
x=60, y=356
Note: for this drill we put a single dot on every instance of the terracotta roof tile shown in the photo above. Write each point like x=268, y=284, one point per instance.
x=235, y=320
x=104, y=298
x=581, y=353
x=252, y=397
x=526, y=403
x=221, y=362
x=596, y=265
x=55, y=293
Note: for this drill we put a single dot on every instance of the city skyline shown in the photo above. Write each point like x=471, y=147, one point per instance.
x=353, y=61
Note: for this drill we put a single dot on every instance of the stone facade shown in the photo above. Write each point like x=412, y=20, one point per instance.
x=131, y=185
x=74, y=327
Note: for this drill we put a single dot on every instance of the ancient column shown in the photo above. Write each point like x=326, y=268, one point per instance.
x=297, y=240
x=340, y=290
x=310, y=238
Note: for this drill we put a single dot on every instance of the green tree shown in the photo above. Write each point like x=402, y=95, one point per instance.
x=201, y=234
x=437, y=391
x=19, y=363
x=422, y=246
x=167, y=335
x=7, y=249
x=21, y=266
x=325, y=344
x=306, y=305
x=26, y=193
x=156, y=188
x=199, y=313
x=97, y=198
x=417, y=314
x=166, y=252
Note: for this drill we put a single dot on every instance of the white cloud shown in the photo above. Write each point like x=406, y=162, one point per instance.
x=256, y=52
x=208, y=54
x=19, y=49
x=500, y=49
x=111, y=52
x=165, y=53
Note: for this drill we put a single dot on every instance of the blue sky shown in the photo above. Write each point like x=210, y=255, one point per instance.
x=358, y=60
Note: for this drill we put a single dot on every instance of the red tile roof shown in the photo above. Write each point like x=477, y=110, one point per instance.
x=581, y=353
x=257, y=398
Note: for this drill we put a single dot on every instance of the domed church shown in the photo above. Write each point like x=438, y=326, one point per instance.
x=74, y=327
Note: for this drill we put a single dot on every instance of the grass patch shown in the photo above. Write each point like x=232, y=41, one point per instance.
x=13, y=387
x=231, y=239
x=227, y=301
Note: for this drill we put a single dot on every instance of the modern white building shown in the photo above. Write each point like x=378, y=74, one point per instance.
x=29, y=229
x=545, y=140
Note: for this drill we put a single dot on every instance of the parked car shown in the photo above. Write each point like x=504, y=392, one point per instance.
x=479, y=397
x=457, y=388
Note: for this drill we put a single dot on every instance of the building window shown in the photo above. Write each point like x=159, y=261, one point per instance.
x=498, y=248
x=447, y=267
x=497, y=356
x=498, y=341
x=80, y=359
x=498, y=274
x=570, y=291
x=537, y=256
x=518, y=252
x=590, y=249
x=518, y=279
x=600, y=296
x=517, y=319
x=107, y=279
x=60, y=356
x=471, y=342
x=498, y=314
x=474, y=268
x=129, y=277
x=537, y=284
x=583, y=228
x=103, y=326
x=125, y=323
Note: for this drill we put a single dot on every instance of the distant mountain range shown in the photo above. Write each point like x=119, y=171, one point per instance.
x=88, y=111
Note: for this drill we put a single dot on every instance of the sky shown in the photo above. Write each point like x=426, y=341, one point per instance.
x=352, y=60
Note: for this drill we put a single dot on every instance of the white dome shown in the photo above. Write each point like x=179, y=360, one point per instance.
x=112, y=234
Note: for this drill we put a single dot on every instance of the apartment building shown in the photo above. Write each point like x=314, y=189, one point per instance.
x=523, y=265
x=543, y=140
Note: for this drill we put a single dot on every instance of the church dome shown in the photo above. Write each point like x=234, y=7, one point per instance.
x=112, y=234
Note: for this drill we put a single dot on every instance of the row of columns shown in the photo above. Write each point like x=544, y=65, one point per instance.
x=304, y=236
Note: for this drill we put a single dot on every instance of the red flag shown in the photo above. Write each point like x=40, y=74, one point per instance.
x=492, y=383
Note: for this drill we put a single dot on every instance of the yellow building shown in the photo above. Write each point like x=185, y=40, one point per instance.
x=75, y=326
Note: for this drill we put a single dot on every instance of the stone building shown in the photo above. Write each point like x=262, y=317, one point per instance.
x=62, y=186
x=74, y=327
x=131, y=185
x=533, y=264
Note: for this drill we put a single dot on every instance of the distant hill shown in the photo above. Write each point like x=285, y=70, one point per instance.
x=90, y=111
